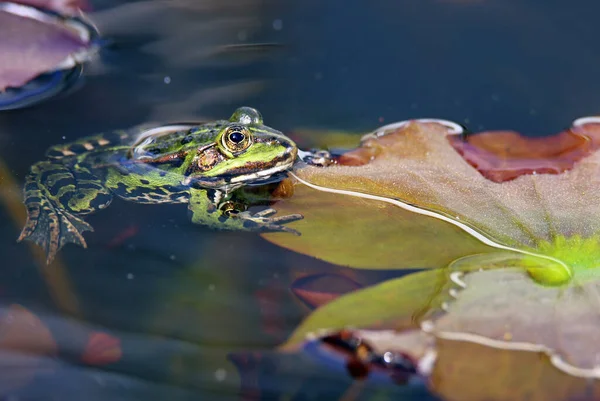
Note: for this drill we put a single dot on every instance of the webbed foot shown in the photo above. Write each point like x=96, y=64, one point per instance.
x=52, y=228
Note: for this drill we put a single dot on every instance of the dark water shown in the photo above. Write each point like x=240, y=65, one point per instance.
x=182, y=299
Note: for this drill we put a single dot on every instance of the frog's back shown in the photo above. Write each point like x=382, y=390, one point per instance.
x=109, y=141
x=164, y=141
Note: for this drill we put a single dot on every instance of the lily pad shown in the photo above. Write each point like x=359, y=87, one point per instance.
x=416, y=169
x=504, y=309
x=370, y=234
x=474, y=327
x=524, y=311
x=395, y=304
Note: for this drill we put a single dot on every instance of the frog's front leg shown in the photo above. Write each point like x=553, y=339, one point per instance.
x=213, y=211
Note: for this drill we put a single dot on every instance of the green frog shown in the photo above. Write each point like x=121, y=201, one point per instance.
x=205, y=166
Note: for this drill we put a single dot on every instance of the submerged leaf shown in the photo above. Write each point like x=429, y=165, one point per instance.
x=318, y=289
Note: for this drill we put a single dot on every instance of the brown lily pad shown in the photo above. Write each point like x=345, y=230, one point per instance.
x=416, y=168
x=518, y=322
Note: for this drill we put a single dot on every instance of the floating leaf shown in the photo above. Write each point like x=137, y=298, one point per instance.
x=504, y=309
x=525, y=313
x=370, y=234
x=482, y=314
x=472, y=372
x=394, y=304
x=505, y=155
x=415, y=185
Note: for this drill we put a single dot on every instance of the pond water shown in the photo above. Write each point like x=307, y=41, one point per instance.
x=158, y=308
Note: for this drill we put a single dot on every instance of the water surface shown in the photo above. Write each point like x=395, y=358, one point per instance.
x=182, y=299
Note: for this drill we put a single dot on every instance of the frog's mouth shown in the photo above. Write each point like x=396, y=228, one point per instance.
x=251, y=174
x=261, y=175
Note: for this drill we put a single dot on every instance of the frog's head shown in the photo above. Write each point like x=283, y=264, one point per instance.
x=244, y=151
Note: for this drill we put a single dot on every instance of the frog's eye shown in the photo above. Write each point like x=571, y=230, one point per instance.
x=236, y=139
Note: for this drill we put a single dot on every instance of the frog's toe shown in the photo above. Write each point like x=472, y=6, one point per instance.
x=262, y=222
x=265, y=213
x=287, y=219
x=287, y=230
x=52, y=229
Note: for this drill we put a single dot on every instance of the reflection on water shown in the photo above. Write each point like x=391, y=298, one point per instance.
x=157, y=308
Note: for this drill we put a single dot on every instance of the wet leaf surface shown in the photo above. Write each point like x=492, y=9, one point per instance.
x=369, y=234
x=417, y=168
x=527, y=311
x=472, y=372
x=394, y=304
x=470, y=334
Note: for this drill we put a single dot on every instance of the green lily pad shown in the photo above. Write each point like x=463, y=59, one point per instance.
x=370, y=234
x=482, y=315
x=394, y=304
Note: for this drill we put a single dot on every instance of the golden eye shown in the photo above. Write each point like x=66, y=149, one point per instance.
x=237, y=139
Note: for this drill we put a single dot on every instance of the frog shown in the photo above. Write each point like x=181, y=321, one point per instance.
x=206, y=166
